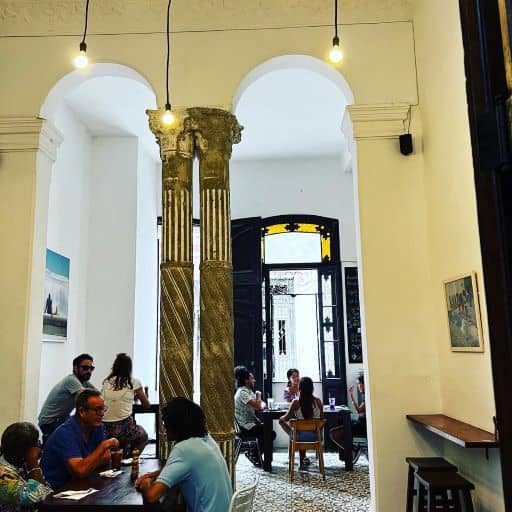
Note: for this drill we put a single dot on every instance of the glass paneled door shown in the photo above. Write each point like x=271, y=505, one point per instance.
x=302, y=329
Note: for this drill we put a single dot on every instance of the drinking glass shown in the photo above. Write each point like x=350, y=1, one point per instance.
x=116, y=457
x=332, y=403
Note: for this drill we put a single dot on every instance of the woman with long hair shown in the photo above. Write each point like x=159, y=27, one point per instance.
x=291, y=391
x=119, y=390
x=306, y=407
x=22, y=483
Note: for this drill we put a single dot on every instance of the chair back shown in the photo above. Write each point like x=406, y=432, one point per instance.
x=314, y=424
x=310, y=424
x=243, y=499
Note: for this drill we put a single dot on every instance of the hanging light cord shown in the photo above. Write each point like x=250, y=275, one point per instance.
x=168, y=103
x=86, y=18
x=336, y=19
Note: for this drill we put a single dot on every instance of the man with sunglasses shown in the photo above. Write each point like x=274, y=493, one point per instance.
x=78, y=447
x=61, y=399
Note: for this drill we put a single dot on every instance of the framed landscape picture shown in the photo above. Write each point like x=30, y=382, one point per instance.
x=56, y=293
x=464, y=321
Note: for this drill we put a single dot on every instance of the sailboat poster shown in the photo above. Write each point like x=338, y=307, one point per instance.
x=56, y=294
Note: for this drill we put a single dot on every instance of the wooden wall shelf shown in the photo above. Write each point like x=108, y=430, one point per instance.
x=458, y=432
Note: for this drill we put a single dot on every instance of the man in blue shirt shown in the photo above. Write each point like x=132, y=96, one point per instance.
x=195, y=464
x=61, y=400
x=78, y=446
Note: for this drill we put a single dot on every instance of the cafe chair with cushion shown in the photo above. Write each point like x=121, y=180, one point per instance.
x=245, y=444
x=243, y=499
x=306, y=425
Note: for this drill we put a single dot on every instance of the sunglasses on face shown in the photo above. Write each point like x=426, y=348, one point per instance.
x=86, y=367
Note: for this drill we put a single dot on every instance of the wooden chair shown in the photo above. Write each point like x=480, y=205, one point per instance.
x=306, y=425
x=243, y=499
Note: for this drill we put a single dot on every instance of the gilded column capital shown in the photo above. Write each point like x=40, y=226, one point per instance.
x=174, y=140
x=215, y=130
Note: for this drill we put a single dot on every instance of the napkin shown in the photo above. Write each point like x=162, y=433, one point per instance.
x=111, y=473
x=75, y=495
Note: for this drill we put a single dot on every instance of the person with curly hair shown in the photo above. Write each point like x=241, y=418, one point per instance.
x=22, y=483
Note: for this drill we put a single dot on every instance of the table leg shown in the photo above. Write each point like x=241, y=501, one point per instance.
x=267, y=442
x=347, y=441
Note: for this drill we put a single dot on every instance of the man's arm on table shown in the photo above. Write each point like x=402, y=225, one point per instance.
x=82, y=467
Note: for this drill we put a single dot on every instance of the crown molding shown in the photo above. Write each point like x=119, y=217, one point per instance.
x=38, y=17
x=29, y=134
x=378, y=121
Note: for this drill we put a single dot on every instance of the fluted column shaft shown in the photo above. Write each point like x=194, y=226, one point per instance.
x=176, y=269
x=215, y=132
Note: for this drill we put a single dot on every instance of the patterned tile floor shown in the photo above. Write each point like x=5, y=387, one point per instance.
x=342, y=491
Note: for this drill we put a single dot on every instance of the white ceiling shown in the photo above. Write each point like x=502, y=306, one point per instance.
x=287, y=113
x=113, y=106
x=290, y=113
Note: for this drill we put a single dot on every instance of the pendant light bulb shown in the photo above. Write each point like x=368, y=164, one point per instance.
x=81, y=60
x=336, y=55
x=168, y=117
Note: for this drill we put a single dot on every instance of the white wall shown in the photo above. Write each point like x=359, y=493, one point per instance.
x=102, y=216
x=307, y=186
x=145, y=313
x=68, y=228
x=112, y=246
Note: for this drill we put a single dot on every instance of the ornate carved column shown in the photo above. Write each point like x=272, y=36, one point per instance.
x=215, y=133
x=176, y=272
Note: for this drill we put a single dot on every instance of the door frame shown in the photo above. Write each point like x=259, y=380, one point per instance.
x=486, y=40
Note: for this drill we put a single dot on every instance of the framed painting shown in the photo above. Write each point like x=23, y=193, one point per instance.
x=463, y=310
x=56, y=294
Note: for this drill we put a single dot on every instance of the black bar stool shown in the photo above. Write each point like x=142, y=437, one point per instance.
x=436, y=486
x=423, y=464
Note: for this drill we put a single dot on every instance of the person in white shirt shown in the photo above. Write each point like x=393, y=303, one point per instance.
x=247, y=402
x=119, y=390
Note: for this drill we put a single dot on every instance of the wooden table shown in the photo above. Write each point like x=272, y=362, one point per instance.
x=458, y=432
x=115, y=494
x=343, y=416
x=154, y=409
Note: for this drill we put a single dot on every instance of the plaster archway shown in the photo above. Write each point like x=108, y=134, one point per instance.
x=65, y=87
x=329, y=73
x=73, y=80
x=315, y=65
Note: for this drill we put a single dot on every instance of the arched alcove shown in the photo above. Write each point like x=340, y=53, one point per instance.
x=70, y=82
x=103, y=202
x=297, y=156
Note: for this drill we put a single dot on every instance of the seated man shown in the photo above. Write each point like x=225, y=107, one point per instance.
x=247, y=402
x=78, y=446
x=61, y=399
x=195, y=464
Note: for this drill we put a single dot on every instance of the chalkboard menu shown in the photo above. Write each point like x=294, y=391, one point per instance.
x=354, y=344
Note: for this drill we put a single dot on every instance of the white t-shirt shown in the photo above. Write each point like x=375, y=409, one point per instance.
x=119, y=403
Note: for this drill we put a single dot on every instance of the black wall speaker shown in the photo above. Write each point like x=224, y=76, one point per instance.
x=405, y=143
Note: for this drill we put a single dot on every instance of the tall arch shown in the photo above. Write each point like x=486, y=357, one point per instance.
x=74, y=79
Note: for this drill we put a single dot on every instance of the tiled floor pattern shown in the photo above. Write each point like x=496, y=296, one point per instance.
x=342, y=491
